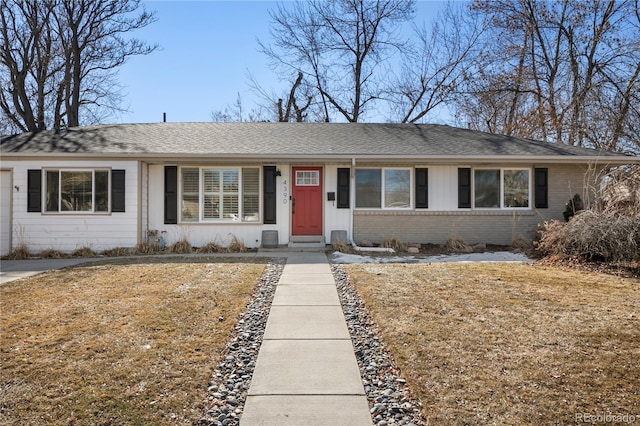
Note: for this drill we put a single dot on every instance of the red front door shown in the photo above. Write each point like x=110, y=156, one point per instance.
x=306, y=202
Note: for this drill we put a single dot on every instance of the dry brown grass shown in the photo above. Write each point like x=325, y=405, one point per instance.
x=121, y=342
x=117, y=252
x=236, y=245
x=83, y=252
x=504, y=344
x=182, y=246
x=210, y=248
x=19, y=253
x=51, y=254
x=395, y=244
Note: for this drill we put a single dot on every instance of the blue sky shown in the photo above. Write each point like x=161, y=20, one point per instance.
x=207, y=49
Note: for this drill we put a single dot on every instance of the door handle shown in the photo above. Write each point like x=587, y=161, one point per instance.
x=293, y=206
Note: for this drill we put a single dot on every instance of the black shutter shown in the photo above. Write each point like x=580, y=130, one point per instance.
x=422, y=188
x=117, y=191
x=269, y=194
x=170, y=195
x=34, y=190
x=542, y=188
x=464, y=188
x=344, y=176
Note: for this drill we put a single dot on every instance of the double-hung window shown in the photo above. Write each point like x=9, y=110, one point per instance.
x=221, y=193
x=501, y=188
x=387, y=188
x=77, y=191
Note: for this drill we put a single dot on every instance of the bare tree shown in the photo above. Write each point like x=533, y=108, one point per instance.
x=59, y=59
x=341, y=46
x=299, y=112
x=236, y=113
x=562, y=71
x=435, y=64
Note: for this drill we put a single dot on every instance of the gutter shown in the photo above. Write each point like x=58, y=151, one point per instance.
x=367, y=158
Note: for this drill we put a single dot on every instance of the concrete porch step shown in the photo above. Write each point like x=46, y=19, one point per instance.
x=306, y=241
x=316, y=245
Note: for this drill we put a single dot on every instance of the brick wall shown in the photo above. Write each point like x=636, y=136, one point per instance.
x=492, y=227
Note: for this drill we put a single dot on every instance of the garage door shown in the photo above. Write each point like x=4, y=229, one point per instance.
x=5, y=212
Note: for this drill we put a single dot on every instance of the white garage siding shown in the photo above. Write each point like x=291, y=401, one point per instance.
x=68, y=232
x=5, y=211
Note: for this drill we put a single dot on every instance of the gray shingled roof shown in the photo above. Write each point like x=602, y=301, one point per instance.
x=288, y=140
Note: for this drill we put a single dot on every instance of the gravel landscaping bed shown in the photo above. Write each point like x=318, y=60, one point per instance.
x=227, y=391
x=389, y=398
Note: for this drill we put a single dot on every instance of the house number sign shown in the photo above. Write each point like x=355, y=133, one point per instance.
x=285, y=192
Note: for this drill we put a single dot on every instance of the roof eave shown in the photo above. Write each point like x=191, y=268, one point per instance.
x=324, y=157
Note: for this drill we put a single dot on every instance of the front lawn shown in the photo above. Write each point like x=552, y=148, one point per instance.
x=124, y=342
x=492, y=343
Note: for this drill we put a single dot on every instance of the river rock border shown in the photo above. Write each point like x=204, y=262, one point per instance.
x=227, y=391
x=390, y=400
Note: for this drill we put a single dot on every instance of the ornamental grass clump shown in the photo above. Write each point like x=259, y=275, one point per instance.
x=236, y=245
x=395, y=244
x=210, y=248
x=180, y=247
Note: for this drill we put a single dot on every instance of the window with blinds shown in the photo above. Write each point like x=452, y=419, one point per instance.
x=224, y=194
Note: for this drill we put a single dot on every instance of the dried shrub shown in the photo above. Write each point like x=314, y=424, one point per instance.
x=395, y=244
x=83, y=252
x=19, y=253
x=51, y=254
x=210, y=248
x=458, y=245
x=236, y=246
x=593, y=235
x=180, y=247
x=117, y=252
x=147, y=248
x=521, y=243
x=342, y=247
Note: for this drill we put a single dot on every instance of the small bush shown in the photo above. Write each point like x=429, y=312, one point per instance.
x=147, y=248
x=342, y=247
x=83, y=252
x=395, y=244
x=457, y=244
x=52, y=254
x=209, y=248
x=236, y=246
x=117, y=252
x=592, y=235
x=180, y=247
x=19, y=253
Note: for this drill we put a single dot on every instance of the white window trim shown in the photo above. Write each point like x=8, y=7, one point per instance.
x=93, y=191
x=382, y=189
x=201, y=218
x=316, y=173
x=502, y=206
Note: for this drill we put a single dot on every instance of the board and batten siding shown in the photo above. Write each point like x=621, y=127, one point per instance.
x=220, y=232
x=68, y=232
x=6, y=190
x=444, y=219
x=335, y=218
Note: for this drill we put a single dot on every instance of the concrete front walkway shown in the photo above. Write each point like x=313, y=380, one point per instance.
x=306, y=372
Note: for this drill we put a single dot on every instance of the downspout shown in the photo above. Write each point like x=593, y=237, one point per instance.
x=352, y=201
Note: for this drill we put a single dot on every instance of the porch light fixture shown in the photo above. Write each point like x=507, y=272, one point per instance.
x=278, y=173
